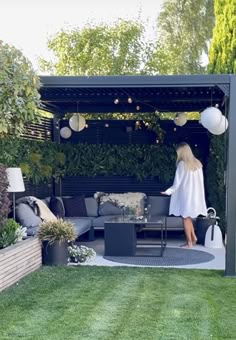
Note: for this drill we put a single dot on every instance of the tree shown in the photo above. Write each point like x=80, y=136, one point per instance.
x=98, y=50
x=19, y=97
x=222, y=59
x=184, y=29
x=222, y=53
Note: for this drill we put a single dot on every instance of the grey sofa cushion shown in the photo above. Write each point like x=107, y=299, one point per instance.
x=26, y=216
x=158, y=205
x=174, y=222
x=32, y=231
x=81, y=224
x=108, y=208
x=91, y=206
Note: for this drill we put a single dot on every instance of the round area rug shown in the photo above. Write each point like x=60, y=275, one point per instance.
x=171, y=257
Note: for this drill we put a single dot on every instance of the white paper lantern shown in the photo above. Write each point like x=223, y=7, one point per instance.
x=180, y=119
x=211, y=117
x=65, y=132
x=77, y=122
x=221, y=128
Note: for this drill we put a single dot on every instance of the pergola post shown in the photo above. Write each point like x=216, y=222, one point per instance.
x=56, y=139
x=230, y=266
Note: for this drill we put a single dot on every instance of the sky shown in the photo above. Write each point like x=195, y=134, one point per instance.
x=28, y=24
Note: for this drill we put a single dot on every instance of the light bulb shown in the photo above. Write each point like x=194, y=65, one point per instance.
x=116, y=101
x=130, y=100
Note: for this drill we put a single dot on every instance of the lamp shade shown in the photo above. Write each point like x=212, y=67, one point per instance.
x=211, y=117
x=77, y=122
x=15, y=179
x=221, y=128
x=65, y=132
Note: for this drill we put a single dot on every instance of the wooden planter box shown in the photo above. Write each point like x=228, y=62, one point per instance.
x=19, y=260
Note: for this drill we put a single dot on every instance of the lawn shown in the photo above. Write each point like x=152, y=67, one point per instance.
x=119, y=303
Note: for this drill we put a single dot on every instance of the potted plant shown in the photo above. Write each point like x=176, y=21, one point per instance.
x=80, y=253
x=55, y=236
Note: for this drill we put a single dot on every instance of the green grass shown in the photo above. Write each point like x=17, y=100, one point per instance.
x=105, y=303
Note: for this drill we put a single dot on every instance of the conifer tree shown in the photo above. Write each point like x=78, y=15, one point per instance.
x=222, y=53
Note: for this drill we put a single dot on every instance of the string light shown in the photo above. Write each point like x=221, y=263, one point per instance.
x=130, y=101
x=137, y=107
x=116, y=101
x=106, y=125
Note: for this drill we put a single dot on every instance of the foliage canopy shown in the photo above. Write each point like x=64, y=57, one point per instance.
x=19, y=97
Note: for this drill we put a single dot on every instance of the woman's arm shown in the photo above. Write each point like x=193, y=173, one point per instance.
x=179, y=175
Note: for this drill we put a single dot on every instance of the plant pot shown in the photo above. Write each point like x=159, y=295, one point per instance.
x=54, y=254
x=202, y=224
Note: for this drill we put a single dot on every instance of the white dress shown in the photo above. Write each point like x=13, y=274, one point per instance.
x=187, y=193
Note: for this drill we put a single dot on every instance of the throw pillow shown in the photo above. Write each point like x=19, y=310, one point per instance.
x=57, y=207
x=43, y=211
x=108, y=208
x=26, y=216
x=75, y=206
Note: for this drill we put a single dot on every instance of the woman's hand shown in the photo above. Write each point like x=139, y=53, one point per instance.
x=164, y=193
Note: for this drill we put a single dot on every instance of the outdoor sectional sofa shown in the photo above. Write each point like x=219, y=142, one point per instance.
x=89, y=214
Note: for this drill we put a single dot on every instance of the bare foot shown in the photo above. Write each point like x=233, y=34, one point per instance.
x=187, y=245
x=194, y=241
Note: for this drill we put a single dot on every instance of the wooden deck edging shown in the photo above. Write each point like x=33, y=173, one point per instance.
x=18, y=260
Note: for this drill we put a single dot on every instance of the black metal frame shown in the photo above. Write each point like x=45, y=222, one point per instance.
x=163, y=229
x=177, y=93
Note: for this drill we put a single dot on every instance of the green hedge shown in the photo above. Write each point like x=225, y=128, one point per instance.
x=40, y=161
x=216, y=190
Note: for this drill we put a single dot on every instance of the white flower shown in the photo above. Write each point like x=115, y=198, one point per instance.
x=20, y=233
x=80, y=253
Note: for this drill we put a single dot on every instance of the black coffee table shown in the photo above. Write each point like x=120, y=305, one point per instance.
x=120, y=234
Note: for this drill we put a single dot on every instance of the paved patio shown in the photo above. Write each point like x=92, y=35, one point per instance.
x=218, y=263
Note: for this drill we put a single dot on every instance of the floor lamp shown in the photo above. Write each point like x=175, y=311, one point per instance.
x=16, y=184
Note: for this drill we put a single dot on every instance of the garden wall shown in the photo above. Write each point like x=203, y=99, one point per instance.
x=19, y=260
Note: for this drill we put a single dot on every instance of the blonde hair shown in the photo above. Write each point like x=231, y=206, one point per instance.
x=184, y=153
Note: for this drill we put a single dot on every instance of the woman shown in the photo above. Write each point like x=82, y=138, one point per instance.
x=187, y=192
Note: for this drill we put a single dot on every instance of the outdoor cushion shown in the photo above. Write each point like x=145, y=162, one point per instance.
x=91, y=206
x=32, y=231
x=108, y=208
x=26, y=217
x=129, y=201
x=75, y=206
x=174, y=222
x=81, y=225
x=57, y=207
x=158, y=205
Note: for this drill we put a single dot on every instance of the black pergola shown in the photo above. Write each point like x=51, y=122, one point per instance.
x=61, y=95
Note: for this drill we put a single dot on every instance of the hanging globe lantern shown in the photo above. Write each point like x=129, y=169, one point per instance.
x=180, y=119
x=211, y=117
x=221, y=128
x=65, y=132
x=77, y=122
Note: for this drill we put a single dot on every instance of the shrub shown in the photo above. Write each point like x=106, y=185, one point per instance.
x=9, y=233
x=19, y=98
x=4, y=200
